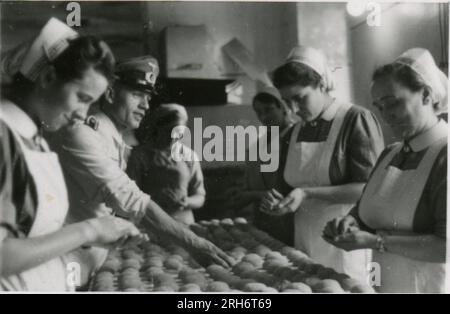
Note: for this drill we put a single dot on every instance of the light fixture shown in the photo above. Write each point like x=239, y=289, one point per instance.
x=356, y=7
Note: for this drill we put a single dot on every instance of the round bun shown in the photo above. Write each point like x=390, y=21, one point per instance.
x=218, y=286
x=190, y=287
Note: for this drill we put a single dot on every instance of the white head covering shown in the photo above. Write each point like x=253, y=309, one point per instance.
x=421, y=61
x=316, y=60
x=31, y=58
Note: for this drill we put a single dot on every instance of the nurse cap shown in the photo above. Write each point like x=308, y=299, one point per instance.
x=140, y=72
x=316, y=60
x=32, y=57
x=421, y=61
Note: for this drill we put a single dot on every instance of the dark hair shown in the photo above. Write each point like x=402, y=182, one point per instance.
x=83, y=53
x=296, y=73
x=266, y=98
x=402, y=74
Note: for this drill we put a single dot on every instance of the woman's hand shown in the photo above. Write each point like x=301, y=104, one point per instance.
x=290, y=203
x=110, y=230
x=340, y=226
x=269, y=200
x=354, y=240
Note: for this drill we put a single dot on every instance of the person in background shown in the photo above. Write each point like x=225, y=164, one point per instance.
x=271, y=110
x=54, y=80
x=331, y=153
x=402, y=214
x=94, y=160
x=176, y=184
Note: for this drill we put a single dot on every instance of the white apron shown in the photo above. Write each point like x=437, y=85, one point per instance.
x=389, y=203
x=307, y=165
x=52, y=207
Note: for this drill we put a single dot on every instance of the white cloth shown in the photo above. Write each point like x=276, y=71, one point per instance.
x=307, y=165
x=31, y=58
x=52, y=205
x=316, y=60
x=421, y=61
x=389, y=203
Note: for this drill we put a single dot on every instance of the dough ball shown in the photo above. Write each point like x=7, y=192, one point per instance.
x=327, y=286
x=218, y=286
x=215, y=222
x=173, y=263
x=241, y=221
x=242, y=267
x=255, y=287
x=131, y=263
x=312, y=280
x=253, y=259
x=227, y=222
x=190, y=287
x=164, y=289
x=299, y=286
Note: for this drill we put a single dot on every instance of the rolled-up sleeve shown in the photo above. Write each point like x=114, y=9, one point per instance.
x=87, y=163
x=196, y=186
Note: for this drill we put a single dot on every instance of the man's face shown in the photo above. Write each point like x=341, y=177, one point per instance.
x=129, y=106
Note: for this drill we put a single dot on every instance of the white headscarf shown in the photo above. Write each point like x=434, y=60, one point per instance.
x=31, y=58
x=421, y=61
x=316, y=60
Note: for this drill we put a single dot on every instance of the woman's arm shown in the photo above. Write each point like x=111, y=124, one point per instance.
x=427, y=248
x=195, y=201
x=346, y=193
x=20, y=254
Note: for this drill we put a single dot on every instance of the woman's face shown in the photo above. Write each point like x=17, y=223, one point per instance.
x=269, y=114
x=69, y=101
x=404, y=110
x=308, y=100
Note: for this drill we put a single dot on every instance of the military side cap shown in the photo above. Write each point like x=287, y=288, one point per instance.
x=139, y=73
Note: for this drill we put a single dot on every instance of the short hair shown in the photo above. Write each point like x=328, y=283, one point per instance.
x=402, y=74
x=296, y=73
x=266, y=98
x=83, y=53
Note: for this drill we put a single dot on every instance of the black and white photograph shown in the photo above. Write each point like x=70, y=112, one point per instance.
x=224, y=147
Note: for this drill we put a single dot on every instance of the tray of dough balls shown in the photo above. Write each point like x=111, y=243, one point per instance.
x=263, y=264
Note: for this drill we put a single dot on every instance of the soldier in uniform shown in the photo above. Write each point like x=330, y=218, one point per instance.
x=94, y=156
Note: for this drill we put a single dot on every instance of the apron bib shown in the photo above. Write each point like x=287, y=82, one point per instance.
x=389, y=203
x=307, y=165
x=52, y=207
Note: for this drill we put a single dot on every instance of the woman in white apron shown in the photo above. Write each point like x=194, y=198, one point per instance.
x=54, y=79
x=402, y=212
x=331, y=154
x=271, y=111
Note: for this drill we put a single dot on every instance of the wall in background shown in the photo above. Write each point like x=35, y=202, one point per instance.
x=266, y=29
x=118, y=23
x=324, y=26
x=403, y=26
